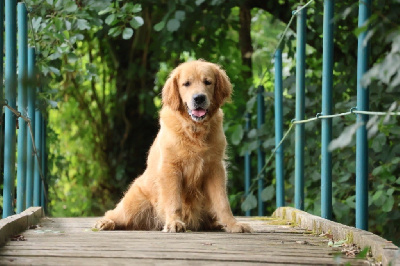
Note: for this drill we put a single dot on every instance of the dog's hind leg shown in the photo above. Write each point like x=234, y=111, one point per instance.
x=131, y=213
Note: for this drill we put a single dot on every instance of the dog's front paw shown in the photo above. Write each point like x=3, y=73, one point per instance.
x=174, y=227
x=238, y=228
x=105, y=224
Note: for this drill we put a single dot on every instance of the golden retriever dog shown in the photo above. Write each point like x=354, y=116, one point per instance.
x=184, y=184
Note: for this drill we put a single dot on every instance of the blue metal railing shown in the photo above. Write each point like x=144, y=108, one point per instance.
x=326, y=117
x=10, y=95
x=22, y=104
x=361, y=137
x=247, y=162
x=326, y=124
x=260, y=151
x=31, y=143
x=300, y=109
x=280, y=182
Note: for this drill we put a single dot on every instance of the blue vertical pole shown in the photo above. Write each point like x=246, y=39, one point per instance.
x=260, y=152
x=300, y=108
x=22, y=94
x=43, y=157
x=38, y=140
x=361, y=137
x=31, y=115
x=247, y=163
x=10, y=95
x=1, y=76
x=280, y=183
x=1, y=47
x=326, y=124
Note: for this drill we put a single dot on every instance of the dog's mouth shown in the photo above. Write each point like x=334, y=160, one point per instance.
x=197, y=114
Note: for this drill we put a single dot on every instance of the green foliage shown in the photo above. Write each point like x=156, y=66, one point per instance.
x=249, y=203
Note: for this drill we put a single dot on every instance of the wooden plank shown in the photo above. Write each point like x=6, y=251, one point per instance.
x=188, y=256
x=69, y=241
x=385, y=251
x=111, y=261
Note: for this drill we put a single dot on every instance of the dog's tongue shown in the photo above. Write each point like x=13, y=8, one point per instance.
x=199, y=112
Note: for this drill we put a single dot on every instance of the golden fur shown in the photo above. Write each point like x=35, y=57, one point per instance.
x=184, y=184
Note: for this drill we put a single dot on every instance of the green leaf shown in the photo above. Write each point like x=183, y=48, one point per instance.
x=378, y=170
x=36, y=23
x=54, y=70
x=351, y=202
x=105, y=11
x=173, y=25
x=268, y=193
x=378, y=143
x=68, y=25
x=110, y=19
x=127, y=33
x=54, y=56
x=249, y=203
x=52, y=103
x=199, y=2
x=344, y=177
x=390, y=191
x=361, y=29
x=72, y=58
x=114, y=32
x=83, y=24
x=377, y=195
x=137, y=8
x=363, y=253
x=237, y=134
x=50, y=2
x=79, y=37
x=70, y=7
x=250, y=104
x=339, y=243
x=136, y=22
x=388, y=204
x=159, y=26
x=180, y=15
x=216, y=2
x=91, y=69
x=252, y=133
x=269, y=143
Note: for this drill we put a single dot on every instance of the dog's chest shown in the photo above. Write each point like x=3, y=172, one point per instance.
x=192, y=171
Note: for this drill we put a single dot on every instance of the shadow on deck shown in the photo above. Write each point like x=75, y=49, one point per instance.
x=69, y=241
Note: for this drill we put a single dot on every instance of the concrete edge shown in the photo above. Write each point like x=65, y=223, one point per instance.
x=17, y=223
x=381, y=249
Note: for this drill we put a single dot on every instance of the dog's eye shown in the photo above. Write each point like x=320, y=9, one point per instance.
x=186, y=84
x=207, y=82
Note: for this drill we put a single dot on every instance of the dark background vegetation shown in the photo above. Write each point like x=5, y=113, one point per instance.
x=104, y=63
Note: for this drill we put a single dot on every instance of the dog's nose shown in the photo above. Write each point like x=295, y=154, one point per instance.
x=199, y=98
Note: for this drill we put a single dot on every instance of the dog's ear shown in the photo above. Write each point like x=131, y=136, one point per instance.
x=170, y=93
x=223, y=86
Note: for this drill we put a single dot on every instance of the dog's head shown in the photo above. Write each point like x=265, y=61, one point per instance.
x=198, y=88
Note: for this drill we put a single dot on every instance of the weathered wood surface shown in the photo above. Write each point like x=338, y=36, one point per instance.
x=17, y=223
x=70, y=241
x=383, y=250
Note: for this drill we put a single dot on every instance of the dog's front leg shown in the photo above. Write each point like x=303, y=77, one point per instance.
x=171, y=200
x=217, y=195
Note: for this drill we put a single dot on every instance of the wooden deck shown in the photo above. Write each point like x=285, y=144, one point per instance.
x=71, y=241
